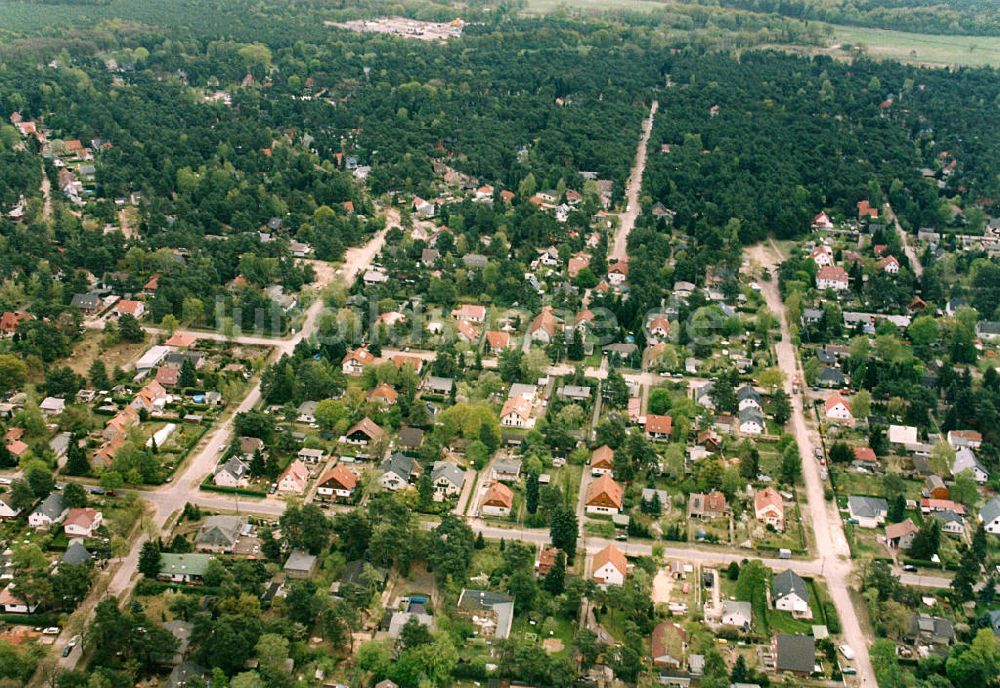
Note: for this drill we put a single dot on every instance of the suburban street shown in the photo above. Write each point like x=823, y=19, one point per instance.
x=831, y=543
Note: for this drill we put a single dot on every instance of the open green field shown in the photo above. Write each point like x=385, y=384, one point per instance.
x=545, y=6
x=922, y=49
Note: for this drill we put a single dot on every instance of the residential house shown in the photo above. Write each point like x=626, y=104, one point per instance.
x=659, y=327
x=899, y=536
x=311, y=457
x=128, y=307
x=219, y=533
x=507, y=469
x=183, y=568
x=294, y=479
x=604, y=496
x=707, y=506
x=795, y=654
x=822, y=255
x=751, y=421
x=832, y=277
x=749, y=398
x=438, y=385
x=836, y=410
x=989, y=516
x=168, y=376
x=931, y=630
x=364, y=432
x=658, y=428
x=574, y=392
x=470, y=313
x=864, y=457
x=789, y=593
x=338, y=482
x=737, y=613
x=447, y=479
x=965, y=438
x=383, y=394
x=11, y=603
x=544, y=326
x=235, y=472
x=497, y=341
x=602, y=461
x=7, y=510
x=151, y=398
x=10, y=321
x=869, y=512
x=610, y=567
x=491, y=613
x=300, y=564
x=498, y=500
x=82, y=522
x=398, y=472
x=822, y=221
x=355, y=361
x=965, y=460
x=667, y=645
x=89, y=304
x=52, y=406
x=516, y=413
x=51, y=511
x=618, y=273
x=889, y=265
x=951, y=522
x=769, y=508
x=410, y=438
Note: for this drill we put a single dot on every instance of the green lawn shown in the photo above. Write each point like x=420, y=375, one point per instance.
x=922, y=48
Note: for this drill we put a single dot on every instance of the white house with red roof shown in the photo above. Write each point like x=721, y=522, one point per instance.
x=82, y=522
x=837, y=410
x=516, y=413
x=889, y=265
x=832, y=277
x=610, y=567
x=822, y=221
x=659, y=427
x=294, y=479
x=769, y=508
x=470, y=313
x=602, y=461
x=128, y=307
x=822, y=255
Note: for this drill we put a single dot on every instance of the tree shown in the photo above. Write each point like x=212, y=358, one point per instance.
x=74, y=496
x=111, y=480
x=897, y=509
x=98, y=374
x=303, y=604
x=927, y=540
x=782, y=407
x=13, y=373
x=555, y=579
x=76, y=459
x=791, y=464
x=150, y=559
x=305, y=527
x=40, y=479
x=861, y=404
x=22, y=497
x=977, y=664
x=966, y=576
x=272, y=655
x=563, y=531
x=614, y=390
x=841, y=452
x=129, y=329
x=531, y=493
x=574, y=351
x=188, y=376
x=964, y=489
x=425, y=490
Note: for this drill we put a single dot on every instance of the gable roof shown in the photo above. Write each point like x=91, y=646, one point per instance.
x=449, y=471
x=867, y=507
x=368, y=427
x=603, y=457
x=789, y=583
x=605, y=485
x=991, y=510
x=340, y=475
x=894, y=531
x=796, y=653
x=660, y=425
x=766, y=498
x=611, y=555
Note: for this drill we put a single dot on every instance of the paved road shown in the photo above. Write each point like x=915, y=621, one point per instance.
x=619, y=249
x=171, y=498
x=831, y=544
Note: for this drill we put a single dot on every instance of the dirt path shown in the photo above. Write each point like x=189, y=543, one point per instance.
x=619, y=250
x=904, y=237
x=46, y=189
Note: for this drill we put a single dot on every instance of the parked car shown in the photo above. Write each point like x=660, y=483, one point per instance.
x=909, y=568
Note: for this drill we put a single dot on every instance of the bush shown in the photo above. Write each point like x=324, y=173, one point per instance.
x=212, y=487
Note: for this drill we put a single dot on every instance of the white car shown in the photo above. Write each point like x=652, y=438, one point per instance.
x=847, y=652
